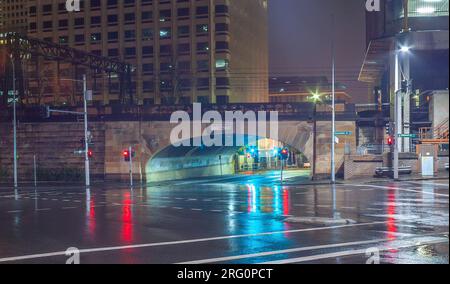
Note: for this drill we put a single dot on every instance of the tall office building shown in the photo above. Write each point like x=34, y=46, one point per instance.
x=182, y=51
x=13, y=15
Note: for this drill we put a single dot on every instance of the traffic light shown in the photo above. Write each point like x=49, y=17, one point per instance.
x=284, y=154
x=90, y=154
x=390, y=141
x=126, y=155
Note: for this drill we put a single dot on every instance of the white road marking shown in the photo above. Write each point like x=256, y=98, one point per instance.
x=43, y=209
x=348, y=253
x=66, y=208
x=177, y=208
x=429, y=183
x=350, y=208
x=195, y=209
x=268, y=253
x=396, y=188
x=103, y=249
x=14, y=211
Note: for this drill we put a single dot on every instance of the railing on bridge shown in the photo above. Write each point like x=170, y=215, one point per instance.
x=436, y=135
x=286, y=111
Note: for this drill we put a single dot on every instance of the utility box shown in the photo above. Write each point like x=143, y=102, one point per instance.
x=428, y=158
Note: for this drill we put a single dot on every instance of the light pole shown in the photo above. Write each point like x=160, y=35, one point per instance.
x=86, y=142
x=398, y=118
x=86, y=132
x=14, y=120
x=333, y=116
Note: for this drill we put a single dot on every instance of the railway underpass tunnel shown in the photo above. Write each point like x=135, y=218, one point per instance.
x=186, y=162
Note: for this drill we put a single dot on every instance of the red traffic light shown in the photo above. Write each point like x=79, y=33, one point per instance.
x=126, y=155
x=90, y=154
x=390, y=141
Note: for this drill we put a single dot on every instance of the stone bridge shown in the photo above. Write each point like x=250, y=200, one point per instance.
x=54, y=142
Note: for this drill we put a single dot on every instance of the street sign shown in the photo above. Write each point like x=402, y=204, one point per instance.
x=344, y=133
x=407, y=135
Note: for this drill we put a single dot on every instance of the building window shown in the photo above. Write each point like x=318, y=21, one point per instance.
x=147, y=34
x=202, y=83
x=426, y=8
x=165, y=33
x=222, y=64
x=165, y=15
x=202, y=29
x=183, y=31
x=96, y=37
x=202, y=47
x=203, y=65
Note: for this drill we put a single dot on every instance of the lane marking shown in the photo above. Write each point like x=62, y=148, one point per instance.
x=275, y=252
x=43, y=209
x=396, y=188
x=114, y=248
x=429, y=183
x=66, y=208
x=350, y=208
x=348, y=253
x=14, y=211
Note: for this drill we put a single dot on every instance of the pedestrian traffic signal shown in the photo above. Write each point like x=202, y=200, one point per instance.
x=390, y=141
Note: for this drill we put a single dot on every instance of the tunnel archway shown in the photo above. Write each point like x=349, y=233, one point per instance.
x=184, y=162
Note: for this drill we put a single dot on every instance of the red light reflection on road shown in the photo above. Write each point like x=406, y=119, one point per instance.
x=286, y=208
x=127, y=218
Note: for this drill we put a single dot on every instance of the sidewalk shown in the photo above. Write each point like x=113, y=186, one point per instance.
x=292, y=181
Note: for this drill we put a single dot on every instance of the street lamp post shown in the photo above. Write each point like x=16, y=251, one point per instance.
x=86, y=142
x=333, y=108
x=86, y=132
x=398, y=118
x=14, y=121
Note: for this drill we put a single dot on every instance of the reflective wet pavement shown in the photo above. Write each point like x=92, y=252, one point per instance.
x=238, y=220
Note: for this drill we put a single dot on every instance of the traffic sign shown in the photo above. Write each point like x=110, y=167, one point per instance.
x=407, y=136
x=344, y=133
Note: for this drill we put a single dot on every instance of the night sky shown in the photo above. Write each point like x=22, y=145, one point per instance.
x=300, y=40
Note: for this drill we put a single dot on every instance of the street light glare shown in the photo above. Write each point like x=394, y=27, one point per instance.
x=405, y=49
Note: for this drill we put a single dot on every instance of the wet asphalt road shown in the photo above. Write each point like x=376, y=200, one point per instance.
x=239, y=220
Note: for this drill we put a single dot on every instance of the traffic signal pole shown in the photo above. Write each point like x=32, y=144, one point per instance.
x=86, y=142
x=130, y=151
x=14, y=122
